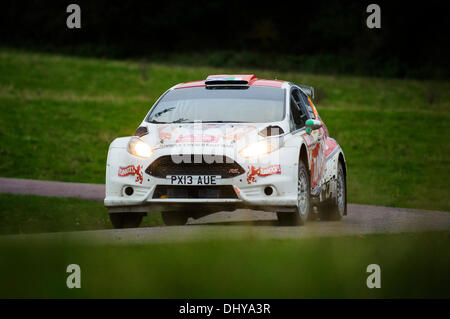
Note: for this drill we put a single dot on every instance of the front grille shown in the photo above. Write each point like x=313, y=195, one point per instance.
x=218, y=191
x=164, y=166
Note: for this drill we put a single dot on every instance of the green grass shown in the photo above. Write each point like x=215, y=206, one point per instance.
x=20, y=214
x=412, y=266
x=59, y=114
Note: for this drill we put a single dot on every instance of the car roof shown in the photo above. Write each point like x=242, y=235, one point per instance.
x=231, y=79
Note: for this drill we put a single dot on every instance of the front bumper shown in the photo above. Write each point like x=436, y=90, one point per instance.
x=249, y=187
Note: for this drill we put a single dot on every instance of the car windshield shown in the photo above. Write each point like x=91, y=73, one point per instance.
x=244, y=104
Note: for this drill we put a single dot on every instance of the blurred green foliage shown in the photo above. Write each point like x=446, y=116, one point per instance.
x=412, y=266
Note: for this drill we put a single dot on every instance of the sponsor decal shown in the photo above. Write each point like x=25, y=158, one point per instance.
x=316, y=154
x=261, y=171
x=235, y=133
x=309, y=140
x=331, y=145
x=197, y=138
x=317, y=164
x=132, y=170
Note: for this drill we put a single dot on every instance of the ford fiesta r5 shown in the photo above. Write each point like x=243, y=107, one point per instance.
x=228, y=142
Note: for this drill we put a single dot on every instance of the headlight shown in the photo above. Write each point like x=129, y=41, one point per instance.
x=256, y=149
x=139, y=148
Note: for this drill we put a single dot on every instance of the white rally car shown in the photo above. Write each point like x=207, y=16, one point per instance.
x=228, y=142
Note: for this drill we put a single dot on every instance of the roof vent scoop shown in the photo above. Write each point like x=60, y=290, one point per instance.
x=225, y=79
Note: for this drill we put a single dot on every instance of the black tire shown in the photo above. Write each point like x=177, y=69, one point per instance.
x=304, y=204
x=126, y=220
x=334, y=209
x=174, y=218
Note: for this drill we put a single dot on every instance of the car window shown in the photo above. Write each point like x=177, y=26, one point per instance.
x=297, y=110
x=243, y=104
x=307, y=105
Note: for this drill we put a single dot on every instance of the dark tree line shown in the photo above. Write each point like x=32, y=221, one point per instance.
x=316, y=35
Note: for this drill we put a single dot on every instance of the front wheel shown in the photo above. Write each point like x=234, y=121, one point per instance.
x=125, y=220
x=334, y=209
x=300, y=216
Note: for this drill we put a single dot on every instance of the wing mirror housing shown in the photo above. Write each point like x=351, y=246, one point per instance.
x=312, y=125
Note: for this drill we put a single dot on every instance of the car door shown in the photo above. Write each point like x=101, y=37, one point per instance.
x=316, y=141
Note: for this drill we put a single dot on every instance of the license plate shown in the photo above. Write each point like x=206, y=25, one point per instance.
x=193, y=179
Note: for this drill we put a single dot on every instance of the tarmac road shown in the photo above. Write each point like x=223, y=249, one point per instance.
x=361, y=220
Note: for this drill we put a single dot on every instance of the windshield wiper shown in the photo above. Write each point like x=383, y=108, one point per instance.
x=180, y=120
x=176, y=121
x=164, y=111
x=156, y=122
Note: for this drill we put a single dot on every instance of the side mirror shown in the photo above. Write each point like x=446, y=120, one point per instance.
x=312, y=125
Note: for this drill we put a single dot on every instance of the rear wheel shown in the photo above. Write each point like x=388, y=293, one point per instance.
x=300, y=216
x=334, y=209
x=126, y=220
x=174, y=218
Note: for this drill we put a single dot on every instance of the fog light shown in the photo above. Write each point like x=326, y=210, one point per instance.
x=129, y=190
x=268, y=190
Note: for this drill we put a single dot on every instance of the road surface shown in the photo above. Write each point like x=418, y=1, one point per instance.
x=361, y=220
